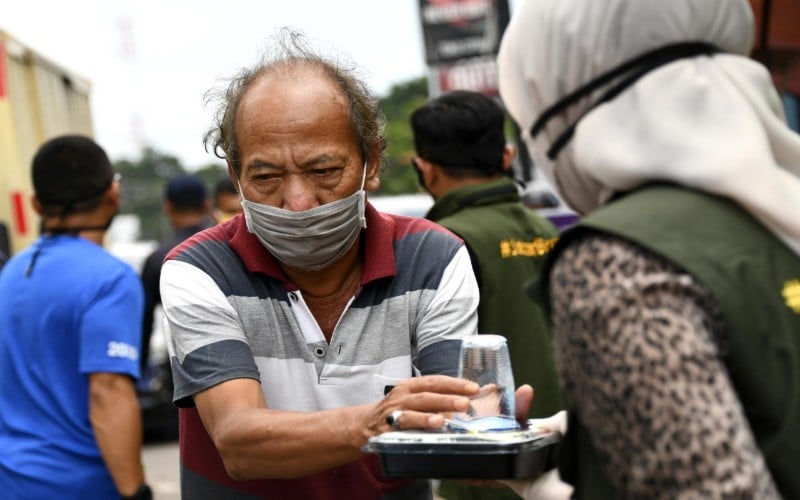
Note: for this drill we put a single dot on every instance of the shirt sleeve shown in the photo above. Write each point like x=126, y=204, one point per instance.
x=208, y=342
x=451, y=315
x=111, y=327
x=638, y=347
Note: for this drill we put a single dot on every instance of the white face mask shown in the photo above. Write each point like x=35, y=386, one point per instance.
x=312, y=239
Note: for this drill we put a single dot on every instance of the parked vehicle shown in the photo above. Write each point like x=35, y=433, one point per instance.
x=39, y=99
x=155, y=387
x=414, y=205
x=539, y=195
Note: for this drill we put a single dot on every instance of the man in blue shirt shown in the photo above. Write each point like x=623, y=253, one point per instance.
x=70, y=326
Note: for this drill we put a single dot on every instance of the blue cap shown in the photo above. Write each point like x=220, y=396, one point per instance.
x=186, y=191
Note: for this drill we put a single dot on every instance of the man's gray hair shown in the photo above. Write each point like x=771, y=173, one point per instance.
x=290, y=50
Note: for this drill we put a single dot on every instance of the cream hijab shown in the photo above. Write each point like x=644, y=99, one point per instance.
x=713, y=123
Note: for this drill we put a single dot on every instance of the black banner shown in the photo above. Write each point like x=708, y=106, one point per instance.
x=460, y=29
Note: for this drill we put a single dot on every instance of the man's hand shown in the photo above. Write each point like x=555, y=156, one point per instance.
x=116, y=420
x=423, y=403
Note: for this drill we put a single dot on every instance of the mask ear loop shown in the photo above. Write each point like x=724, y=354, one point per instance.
x=362, y=202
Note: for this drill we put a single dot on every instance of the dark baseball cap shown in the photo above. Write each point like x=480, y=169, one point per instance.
x=186, y=191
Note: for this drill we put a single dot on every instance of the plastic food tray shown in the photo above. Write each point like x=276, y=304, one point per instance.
x=483, y=455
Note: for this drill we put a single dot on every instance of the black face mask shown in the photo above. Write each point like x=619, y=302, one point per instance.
x=629, y=72
x=420, y=178
x=78, y=229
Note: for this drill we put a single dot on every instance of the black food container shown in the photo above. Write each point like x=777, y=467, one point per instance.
x=515, y=454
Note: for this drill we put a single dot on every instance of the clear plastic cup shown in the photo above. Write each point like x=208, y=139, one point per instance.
x=484, y=360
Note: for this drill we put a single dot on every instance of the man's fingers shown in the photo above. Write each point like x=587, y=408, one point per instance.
x=433, y=402
x=440, y=384
x=410, y=419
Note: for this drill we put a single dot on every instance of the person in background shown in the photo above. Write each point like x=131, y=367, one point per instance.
x=186, y=206
x=674, y=301
x=226, y=201
x=298, y=328
x=70, y=324
x=464, y=162
x=5, y=249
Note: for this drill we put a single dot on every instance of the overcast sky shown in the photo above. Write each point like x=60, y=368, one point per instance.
x=150, y=62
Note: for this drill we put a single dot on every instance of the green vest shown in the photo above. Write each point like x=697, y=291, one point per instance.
x=756, y=280
x=507, y=243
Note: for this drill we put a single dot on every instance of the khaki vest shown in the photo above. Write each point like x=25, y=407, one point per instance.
x=508, y=242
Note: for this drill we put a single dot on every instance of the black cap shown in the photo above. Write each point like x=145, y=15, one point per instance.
x=186, y=192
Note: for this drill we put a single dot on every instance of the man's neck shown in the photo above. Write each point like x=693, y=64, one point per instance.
x=181, y=221
x=447, y=184
x=89, y=226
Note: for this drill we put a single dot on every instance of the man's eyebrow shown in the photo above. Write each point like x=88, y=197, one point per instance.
x=259, y=165
x=321, y=159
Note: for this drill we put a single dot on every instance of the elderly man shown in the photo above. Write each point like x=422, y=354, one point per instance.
x=299, y=327
x=464, y=162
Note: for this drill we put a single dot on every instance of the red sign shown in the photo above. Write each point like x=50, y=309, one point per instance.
x=18, y=209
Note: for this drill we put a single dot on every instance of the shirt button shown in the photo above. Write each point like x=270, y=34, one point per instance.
x=319, y=352
x=293, y=297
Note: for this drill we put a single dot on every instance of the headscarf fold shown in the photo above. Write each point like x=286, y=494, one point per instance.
x=713, y=123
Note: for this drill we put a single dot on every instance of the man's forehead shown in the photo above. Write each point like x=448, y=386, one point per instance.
x=275, y=94
x=298, y=78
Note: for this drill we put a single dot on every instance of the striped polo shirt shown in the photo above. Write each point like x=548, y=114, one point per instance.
x=233, y=313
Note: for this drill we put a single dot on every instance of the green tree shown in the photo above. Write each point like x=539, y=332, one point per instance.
x=402, y=100
x=142, y=188
x=211, y=175
x=143, y=183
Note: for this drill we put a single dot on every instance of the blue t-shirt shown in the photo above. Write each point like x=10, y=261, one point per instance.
x=68, y=308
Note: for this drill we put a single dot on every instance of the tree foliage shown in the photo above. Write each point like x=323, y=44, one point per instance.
x=403, y=99
x=142, y=188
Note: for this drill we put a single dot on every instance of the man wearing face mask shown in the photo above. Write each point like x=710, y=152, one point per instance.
x=300, y=329
x=463, y=161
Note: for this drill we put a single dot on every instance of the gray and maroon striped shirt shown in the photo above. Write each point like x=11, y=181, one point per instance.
x=234, y=314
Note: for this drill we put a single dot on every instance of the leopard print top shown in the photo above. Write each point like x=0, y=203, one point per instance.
x=637, y=343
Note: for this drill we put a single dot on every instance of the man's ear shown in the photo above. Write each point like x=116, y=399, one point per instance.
x=372, y=182
x=509, y=153
x=169, y=209
x=428, y=171
x=112, y=196
x=37, y=205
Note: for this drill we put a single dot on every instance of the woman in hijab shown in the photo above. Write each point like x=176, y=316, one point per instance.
x=675, y=303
